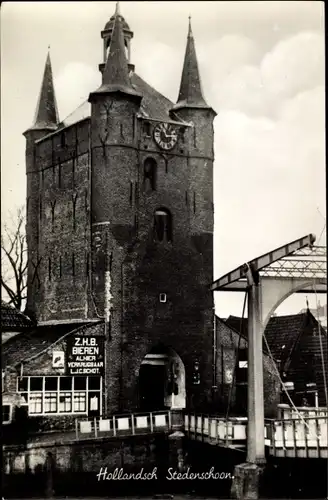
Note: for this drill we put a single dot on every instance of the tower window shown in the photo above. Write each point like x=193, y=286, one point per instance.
x=150, y=171
x=131, y=193
x=87, y=263
x=73, y=171
x=146, y=128
x=74, y=211
x=163, y=225
x=162, y=297
x=49, y=269
x=53, y=207
x=86, y=200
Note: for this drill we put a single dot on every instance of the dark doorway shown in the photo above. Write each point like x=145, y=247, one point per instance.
x=151, y=387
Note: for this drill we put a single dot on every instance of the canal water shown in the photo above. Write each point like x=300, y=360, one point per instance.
x=282, y=479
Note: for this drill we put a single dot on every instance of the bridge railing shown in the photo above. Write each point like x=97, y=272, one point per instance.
x=125, y=424
x=286, y=412
x=215, y=429
x=304, y=437
x=285, y=437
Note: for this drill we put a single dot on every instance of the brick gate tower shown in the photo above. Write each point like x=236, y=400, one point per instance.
x=120, y=226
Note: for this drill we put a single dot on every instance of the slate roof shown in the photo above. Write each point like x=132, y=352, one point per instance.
x=239, y=325
x=190, y=94
x=153, y=104
x=13, y=320
x=283, y=333
x=294, y=340
x=46, y=115
x=28, y=344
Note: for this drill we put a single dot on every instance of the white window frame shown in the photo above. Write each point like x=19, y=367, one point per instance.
x=72, y=392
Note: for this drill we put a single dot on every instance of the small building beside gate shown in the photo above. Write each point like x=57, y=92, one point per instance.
x=298, y=343
x=56, y=372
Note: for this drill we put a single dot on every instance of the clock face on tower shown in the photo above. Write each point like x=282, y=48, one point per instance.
x=165, y=136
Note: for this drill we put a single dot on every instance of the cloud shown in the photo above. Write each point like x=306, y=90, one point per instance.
x=73, y=86
x=162, y=68
x=270, y=152
x=259, y=87
x=295, y=64
x=227, y=53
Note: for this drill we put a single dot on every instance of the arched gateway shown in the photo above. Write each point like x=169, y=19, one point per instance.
x=161, y=381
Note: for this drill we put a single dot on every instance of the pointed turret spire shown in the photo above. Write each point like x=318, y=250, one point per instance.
x=116, y=73
x=190, y=95
x=46, y=114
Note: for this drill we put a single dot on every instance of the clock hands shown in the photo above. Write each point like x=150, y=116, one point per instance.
x=165, y=136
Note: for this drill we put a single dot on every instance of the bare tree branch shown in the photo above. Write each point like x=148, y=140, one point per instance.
x=14, y=260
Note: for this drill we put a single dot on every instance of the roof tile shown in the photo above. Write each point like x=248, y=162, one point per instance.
x=12, y=319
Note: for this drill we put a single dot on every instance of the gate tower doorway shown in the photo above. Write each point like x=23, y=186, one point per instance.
x=162, y=380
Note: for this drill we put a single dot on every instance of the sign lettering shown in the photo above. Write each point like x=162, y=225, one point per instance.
x=85, y=355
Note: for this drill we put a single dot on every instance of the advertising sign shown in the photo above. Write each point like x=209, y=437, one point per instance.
x=58, y=359
x=85, y=355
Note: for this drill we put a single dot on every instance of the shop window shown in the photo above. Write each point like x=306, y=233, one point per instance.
x=60, y=395
x=80, y=383
x=35, y=403
x=36, y=383
x=80, y=402
x=65, y=383
x=94, y=383
x=6, y=414
x=50, y=402
x=65, y=402
x=51, y=384
x=163, y=225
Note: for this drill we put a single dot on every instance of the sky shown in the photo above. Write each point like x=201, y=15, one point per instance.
x=262, y=70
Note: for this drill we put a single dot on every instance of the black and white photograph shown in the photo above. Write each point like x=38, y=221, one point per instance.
x=163, y=250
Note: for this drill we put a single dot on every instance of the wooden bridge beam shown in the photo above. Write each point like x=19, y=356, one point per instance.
x=255, y=427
